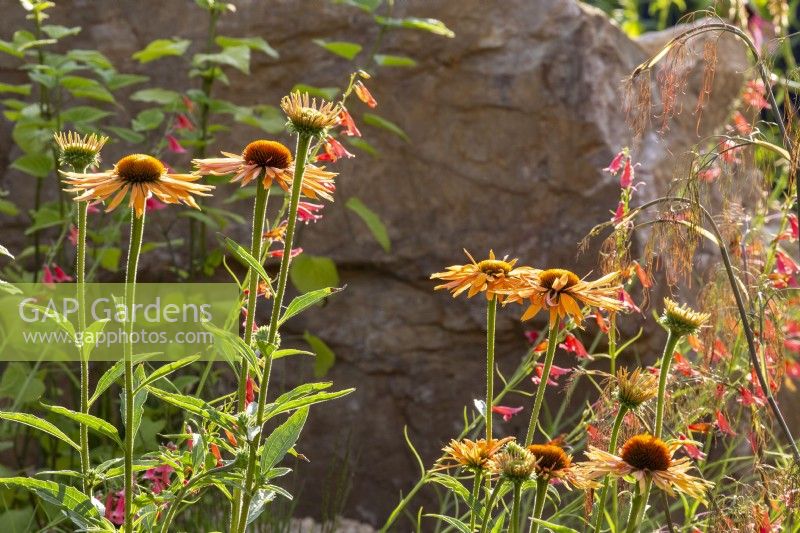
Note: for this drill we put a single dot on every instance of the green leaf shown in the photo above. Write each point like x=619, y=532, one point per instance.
x=254, y=43
x=116, y=81
x=83, y=114
x=126, y=134
x=259, y=502
x=287, y=352
x=92, y=58
x=280, y=441
x=16, y=89
x=244, y=257
x=343, y=49
x=75, y=504
x=4, y=251
x=237, y=57
x=362, y=145
x=455, y=522
x=81, y=87
x=58, y=32
x=10, y=49
x=555, y=528
x=149, y=119
x=90, y=337
x=20, y=384
x=424, y=24
x=47, y=216
x=380, y=122
x=139, y=399
x=311, y=272
x=365, y=5
x=40, y=424
x=325, y=358
x=98, y=425
x=304, y=301
x=162, y=48
x=394, y=61
x=372, y=220
x=156, y=96
x=328, y=93
x=7, y=207
x=38, y=165
x=195, y=406
x=166, y=370
x=109, y=259
x=108, y=378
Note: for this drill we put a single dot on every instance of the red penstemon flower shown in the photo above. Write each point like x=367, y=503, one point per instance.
x=348, y=124
x=279, y=253
x=249, y=392
x=115, y=507
x=506, y=412
x=572, y=344
x=691, y=450
x=709, y=174
x=334, y=150
x=754, y=95
x=616, y=163
x=216, y=453
x=182, y=122
x=364, y=95
x=555, y=373
x=174, y=145
x=307, y=211
x=723, y=425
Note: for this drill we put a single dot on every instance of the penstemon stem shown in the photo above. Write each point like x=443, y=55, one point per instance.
x=612, y=448
x=80, y=274
x=491, y=318
x=301, y=155
x=256, y=243
x=663, y=372
x=552, y=342
x=538, y=507
x=135, y=247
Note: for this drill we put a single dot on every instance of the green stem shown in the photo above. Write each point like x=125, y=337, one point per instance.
x=80, y=274
x=538, y=507
x=476, y=491
x=515, y=508
x=301, y=154
x=487, y=513
x=135, y=247
x=403, y=503
x=612, y=448
x=612, y=342
x=256, y=244
x=638, y=507
x=491, y=317
x=663, y=372
x=552, y=343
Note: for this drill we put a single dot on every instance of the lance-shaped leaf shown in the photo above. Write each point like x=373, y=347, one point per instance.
x=97, y=425
x=40, y=424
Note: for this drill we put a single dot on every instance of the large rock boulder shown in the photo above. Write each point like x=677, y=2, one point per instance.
x=510, y=124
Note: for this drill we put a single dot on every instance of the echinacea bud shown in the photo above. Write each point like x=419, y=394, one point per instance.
x=308, y=118
x=79, y=152
x=635, y=388
x=681, y=320
x=514, y=463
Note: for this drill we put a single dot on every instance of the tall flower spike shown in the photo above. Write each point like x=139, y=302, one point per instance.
x=562, y=293
x=308, y=118
x=489, y=276
x=681, y=319
x=79, y=152
x=142, y=176
x=644, y=457
x=275, y=161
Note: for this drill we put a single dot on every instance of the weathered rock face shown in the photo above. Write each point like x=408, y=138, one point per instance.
x=510, y=124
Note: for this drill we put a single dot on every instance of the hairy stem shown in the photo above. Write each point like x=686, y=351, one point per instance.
x=552, y=343
x=663, y=373
x=515, y=508
x=538, y=507
x=487, y=513
x=612, y=448
x=80, y=274
x=491, y=317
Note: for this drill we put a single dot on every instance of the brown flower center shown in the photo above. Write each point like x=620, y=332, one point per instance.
x=139, y=168
x=267, y=154
x=646, y=452
x=494, y=267
x=550, y=457
x=549, y=278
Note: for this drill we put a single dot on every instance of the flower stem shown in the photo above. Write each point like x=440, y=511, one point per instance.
x=515, y=508
x=487, y=513
x=135, y=247
x=638, y=507
x=303, y=143
x=663, y=372
x=612, y=342
x=552, y=342
x=80, y=274
x=612, y=447
x=491, y=317
x=256, y=242
x=476, y=491
x=538, y=507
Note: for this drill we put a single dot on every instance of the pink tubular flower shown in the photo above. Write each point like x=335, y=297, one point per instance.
x=531, y=336
x=794, y=227
x=187, y=103
x=175, y=146
x=691, y=450
x=334, y=150
x=626, y=178
x=59, y=275
x=555, y=373
x=616, y=163
x=159, y=478
x=115, y=507
x=364, y=95
x=154, y=204
x=710, y=174
x=754, y=95
x=307, y=211
x=741, y=124
x=182, y=122
x=249, y=393
x=73, y=235
x=216, y=453
x=627, y=301
x=47, y=277
x=348, y=124
x=506, y=412
x=619, y=214
x=279, y=253
x=723, y=425
x=572, y=344
x=747, y=398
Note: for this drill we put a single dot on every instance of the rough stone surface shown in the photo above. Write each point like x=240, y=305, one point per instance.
x=510, y=124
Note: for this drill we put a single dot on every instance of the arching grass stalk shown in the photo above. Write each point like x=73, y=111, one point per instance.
x=256, y=243
x=538, y=507
x=301, y=155
x=612, y=448
x=134, y=249
x=491, y=318
x=552, y=343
